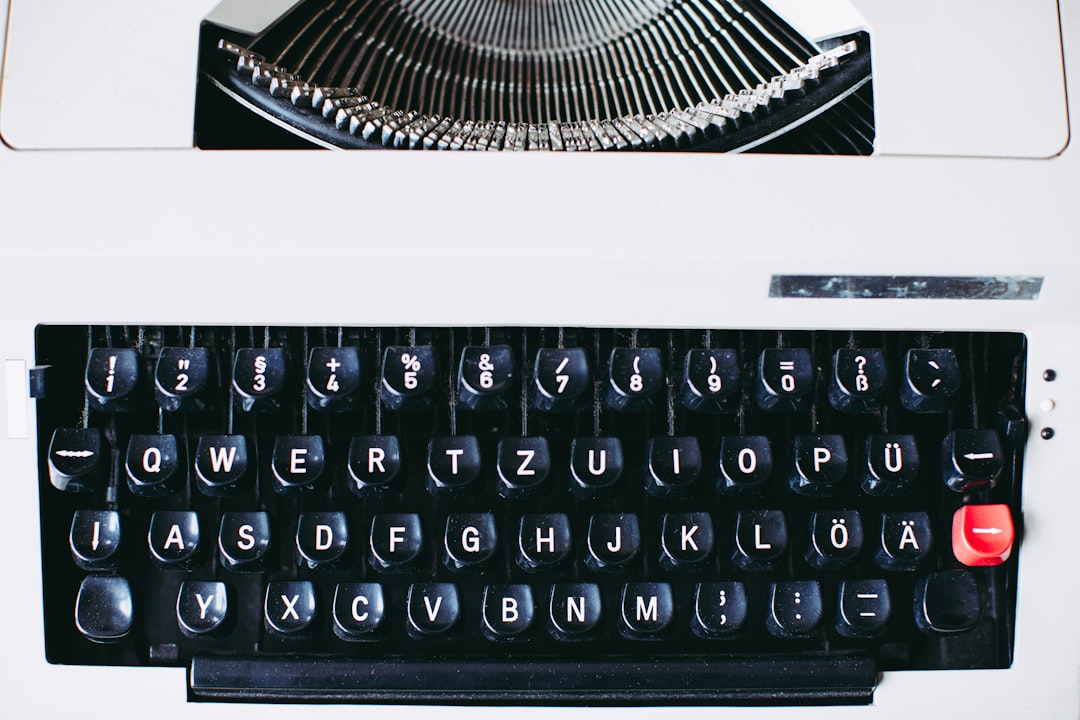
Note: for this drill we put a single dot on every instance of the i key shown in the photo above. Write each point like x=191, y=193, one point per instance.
x=562, y=379
x=333, y=377
x=674, y=465
x=180, y=377
x=258, y=377
x=111, y=377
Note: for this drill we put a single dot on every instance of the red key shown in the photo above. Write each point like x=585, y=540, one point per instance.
x=983, y=534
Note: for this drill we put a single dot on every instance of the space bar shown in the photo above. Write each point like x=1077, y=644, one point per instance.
x=848, y=679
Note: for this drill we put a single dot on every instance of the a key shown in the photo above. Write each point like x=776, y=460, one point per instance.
x=931, y=377
x=720, y=609
x=471, y=540
x=836, y=538
x=485, y=376
x=647, y=609
x=95, y=539
x=686, y=540
x=524, y=465
x=104, y=608
x=905, y=541
x=152, y=465
x=745, y=463
x=795, y=609
x=409, y=375
x=596, y=464
x=509, y=611
x=892, y=465
x=374, y=465
x=674, y=464
x=202, y=608
x=760, y=539
x=819, y=465
x=971, y=460
x=111, y=378
x=453, y=466
x=221, y=464
x=333, y=378
x=432, y=608
x=259, y=376
x=75, y=459
x=244, y=540
x=174, y=539
x=359, y=609
x=863, y=608
x=562, y=379
x=947, y=602
x=635, y=376
x=574, y=610
x=396, y=542
x=290, y=607
x=859, y=378
x=614, y=540
x=322, y=539
x=181, y=376
x=711, y=381
x=297, y=463
x=544, y=541
x=785, y=380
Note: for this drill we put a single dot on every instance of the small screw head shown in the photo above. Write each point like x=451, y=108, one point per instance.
x=1046, y=433
x=1049, y=375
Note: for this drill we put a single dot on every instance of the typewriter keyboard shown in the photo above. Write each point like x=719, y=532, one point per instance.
x=504, y=514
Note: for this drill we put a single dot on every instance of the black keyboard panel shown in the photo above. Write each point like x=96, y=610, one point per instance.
x=529, y=514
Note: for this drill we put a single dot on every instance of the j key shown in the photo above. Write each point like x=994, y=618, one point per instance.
x=180, y=377
x=614, y=540
x=931, y=378
x=470, y=541
x=290, y=607
x=674, y=465
x=859, y=378
x=524, y=465
x=720, y=608
x=359, y=609
x=433, y=608
x=836, y=538
x=509, y=611
x=453, y=465
x=574, y=610
x=297, y=463
x=484, y=377
x=647, y=609
x=971, y=460
x=221, y=464
x=322, y=539
x=174, y=539
x=202, y=608
x=544, y=541
x=259, y=377
x=745, y=462
x=785, y=380
x=104, y=608
x=408, y=376
x=95, y=539
x=244, y=540
x=760, y=539
x=563, y=380
x=863, y=608
x=75, y=461
x=396, y=542
x=635, y=375
x=686, y=540
x=111, y=378
x=152, y=464
x=795, y=609
x=820, y=465
x=947, y=602
x=374, y=465
x=906, y=538
x=892, y=464
x=333, y=378
x=711, y=381
x=596, y=464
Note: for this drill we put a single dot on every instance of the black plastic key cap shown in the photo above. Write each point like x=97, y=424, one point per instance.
x=905, y=541
x=647, y=609
x=795, y=609
x=931, y=377
x=221, y=463
x=947, y=602
x=614, y=540
x=322, y=539
x=524, y=465
x=544, y=541
x=104, y=608
x=686, y=540
x=635, y=376
x=785, y=380
x=574, y=610
x=433, y=608
x=333, y=378
x=75, y=459
x=892, y=465
x=244, y=540
x=863, y=608
x=720, y=608
x=174, y=539
x=374, y=465
x=396, y=541
x=453, y=465
x=596, y=464
x=859, y=378
x=111, y=378
x=470, y=540
x=711, y=381
x=562, y=379
x=761, y=539
x=745, y=463
x=485, y=375
x=409, y=374
x=359, y=609
x=836, y=539
x=297, y=463
x=509, y=611
x=95, y=539
x=290, y=607
x=259, y=376
x=202, y=608
x=971, y=460
x=181, y=376
x=819, y=465
x=152, y=465
x=674, y=465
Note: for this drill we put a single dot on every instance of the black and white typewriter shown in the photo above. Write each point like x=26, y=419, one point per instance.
x=692, y=356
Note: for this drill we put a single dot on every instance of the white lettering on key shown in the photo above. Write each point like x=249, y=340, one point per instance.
x=470, y=539
x=675, y=467
x=296, y=461
x=688, y=538
x=839, y=533
x=375, y=457
x=324, y=537
x=510, y=610
x=175, y=536
x=907, y=536
x=894, y=457
x=616, y=544
x=747, y=461
x=247, y=540
x=221, y=459
x=454, y=454
x=821, y=457
x=260, y=378
x=432, y=610
x=646, y=613
x=151, y=460
x=548, y=540
x=397, y=537
x=757, y=539
x=204, y=604
x=96, y=540
x=356, y=603
x=524, y=468
x=575, y=611
x=290, y=607
x=594, y=468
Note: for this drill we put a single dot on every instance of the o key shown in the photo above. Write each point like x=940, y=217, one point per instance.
x=983, y=534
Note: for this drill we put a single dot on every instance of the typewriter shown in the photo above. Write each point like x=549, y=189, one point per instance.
x=632, y=357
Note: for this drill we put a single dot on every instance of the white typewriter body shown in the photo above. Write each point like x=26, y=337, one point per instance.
x=109, y=215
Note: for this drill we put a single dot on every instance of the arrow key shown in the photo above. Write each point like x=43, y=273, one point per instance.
x=971, y=460
x=983, y=534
